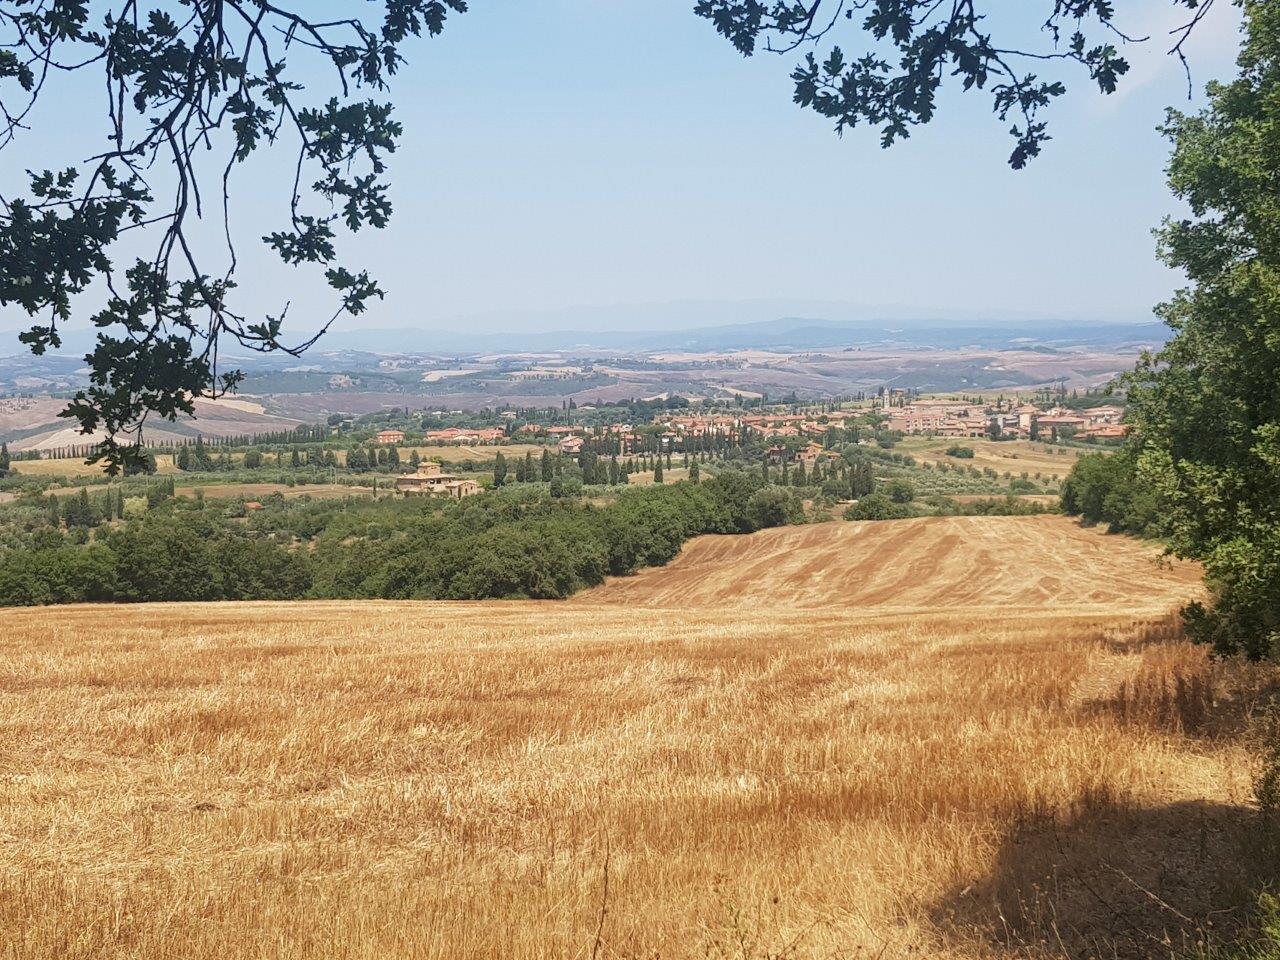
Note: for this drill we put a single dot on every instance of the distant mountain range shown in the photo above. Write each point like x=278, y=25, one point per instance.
x=344, y=349
x=787, y=333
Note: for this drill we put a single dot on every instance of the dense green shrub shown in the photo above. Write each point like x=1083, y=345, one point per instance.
x=1104, y=488
x=901, y=491
x=516, y=542
x=774, y=507
x=877, y=506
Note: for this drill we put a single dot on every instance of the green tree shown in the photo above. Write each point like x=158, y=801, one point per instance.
x=546, y=466
x=901, y=491
x=861, y=479
x=657, y=470
x=499, y=469
x=774, y=507
x=877, y=506
x=1205, y=409
x=77, y=511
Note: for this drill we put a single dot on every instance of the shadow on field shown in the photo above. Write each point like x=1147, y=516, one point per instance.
x=1116, y=883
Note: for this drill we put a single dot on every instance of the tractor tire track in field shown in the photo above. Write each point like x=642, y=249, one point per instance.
x=929, y=562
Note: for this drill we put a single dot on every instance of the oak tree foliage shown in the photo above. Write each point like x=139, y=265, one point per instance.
x=193, y=89
x=1206, y=408
x=885, y=62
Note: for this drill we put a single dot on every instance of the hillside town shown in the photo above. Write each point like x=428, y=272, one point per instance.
x=1004, y=418
x=951, y=418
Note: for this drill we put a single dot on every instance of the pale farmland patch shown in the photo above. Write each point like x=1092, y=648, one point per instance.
x=1051, y=461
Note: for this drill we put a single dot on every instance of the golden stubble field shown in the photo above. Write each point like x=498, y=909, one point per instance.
x=1051, y=461
x=604, y=779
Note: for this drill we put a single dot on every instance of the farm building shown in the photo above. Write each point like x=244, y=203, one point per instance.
x=390, y=436
x=431, y=481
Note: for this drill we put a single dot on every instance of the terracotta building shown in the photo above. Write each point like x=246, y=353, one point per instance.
x=431, y=481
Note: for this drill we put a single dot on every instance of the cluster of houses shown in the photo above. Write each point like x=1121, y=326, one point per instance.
x=765, y=425
x=468, y=437
x=569, y=439
x=937, y=417
x=953, y=418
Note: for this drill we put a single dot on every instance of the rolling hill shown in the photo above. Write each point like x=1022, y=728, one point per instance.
x=1045, y=563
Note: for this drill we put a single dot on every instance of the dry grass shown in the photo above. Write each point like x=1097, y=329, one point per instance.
x=530, y=780
x=76, y=467
x=250, y=491
x=320, y=491
x=644, y=478
x=1012, y=456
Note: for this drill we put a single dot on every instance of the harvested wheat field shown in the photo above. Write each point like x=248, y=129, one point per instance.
x=1038, y=562
x=539, y=780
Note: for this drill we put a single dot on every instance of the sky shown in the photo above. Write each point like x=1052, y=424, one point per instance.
x=565, y=159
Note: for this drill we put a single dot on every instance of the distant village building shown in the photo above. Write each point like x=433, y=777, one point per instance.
x=1106, y=431
x=1107, y=414
x=467, y=437
x=571, y=446
x=815, y=452
x=389, y=437
x=431, y=481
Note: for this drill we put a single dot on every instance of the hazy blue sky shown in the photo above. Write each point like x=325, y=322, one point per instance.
x=571, y=153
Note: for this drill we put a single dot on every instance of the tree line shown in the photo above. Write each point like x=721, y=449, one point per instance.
x=517, y=543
